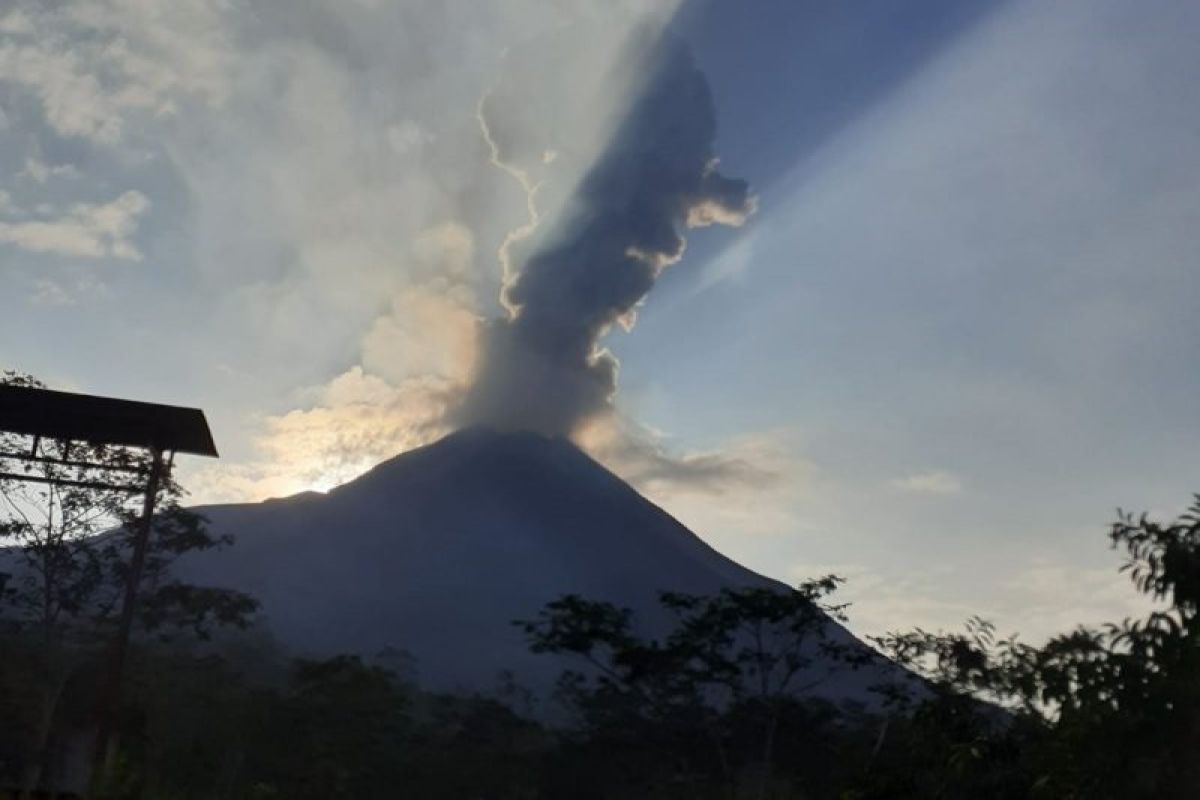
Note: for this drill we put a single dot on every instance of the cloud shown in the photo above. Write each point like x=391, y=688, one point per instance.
x=407, y=136
x=414, y=361
x=1036, y=598
x=882, y=601
x=1052, y=596
x=360, y=421
x=39, y=171
x=95, y=64
x=50, y=293
x=645, y=459
x=357, y=421
x=542, y=368
x=74, y=103
x=58, y=293
x=744, y=486
x=16, y=22
x=85, y=230
x=935, y=482
x=431, y=326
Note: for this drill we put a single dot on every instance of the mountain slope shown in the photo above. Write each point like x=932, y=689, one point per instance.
x=436, y=551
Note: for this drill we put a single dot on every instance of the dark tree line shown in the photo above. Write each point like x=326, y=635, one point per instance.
x=1105, y=712
x=709, y=705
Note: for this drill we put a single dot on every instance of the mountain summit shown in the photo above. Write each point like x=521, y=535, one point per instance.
x=438, y=550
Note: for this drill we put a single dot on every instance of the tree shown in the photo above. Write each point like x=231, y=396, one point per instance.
x=334, y=734
x=67, y=545
x=735, y=659
x=1100, y=712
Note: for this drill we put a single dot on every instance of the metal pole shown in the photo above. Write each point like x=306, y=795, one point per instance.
x=110, y=698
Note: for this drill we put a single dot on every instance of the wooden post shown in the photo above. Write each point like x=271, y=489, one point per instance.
x=110, y=698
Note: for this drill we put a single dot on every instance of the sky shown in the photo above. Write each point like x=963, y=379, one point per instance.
x=949, y=330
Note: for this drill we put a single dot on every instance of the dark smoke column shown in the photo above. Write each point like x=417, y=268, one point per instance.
x=542, y=368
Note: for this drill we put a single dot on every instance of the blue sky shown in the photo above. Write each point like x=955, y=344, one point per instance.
x=957, y=333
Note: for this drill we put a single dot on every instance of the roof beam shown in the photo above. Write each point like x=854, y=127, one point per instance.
x=67, y=416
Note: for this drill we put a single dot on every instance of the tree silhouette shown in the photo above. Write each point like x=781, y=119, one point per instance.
x=1112, y=711
x=66, y=547
x=737, y=659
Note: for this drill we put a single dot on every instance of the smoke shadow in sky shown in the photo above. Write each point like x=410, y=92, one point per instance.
x=788, y=75
x=785, y=77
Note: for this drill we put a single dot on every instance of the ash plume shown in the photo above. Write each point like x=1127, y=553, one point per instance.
x=542, y=367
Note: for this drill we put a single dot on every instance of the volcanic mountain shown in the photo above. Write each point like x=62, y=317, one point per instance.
x=438, y=550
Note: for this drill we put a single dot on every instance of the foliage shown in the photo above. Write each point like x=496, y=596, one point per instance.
x=1096, y=712
x=220, y=726
x=65, y=542
x=1107, y=712
x=70, y=544
x=706, y=701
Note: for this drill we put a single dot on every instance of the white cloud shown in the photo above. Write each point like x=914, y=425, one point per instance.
x=1035, y=599
x=744, y=486
x=703, y=215
x=430, y=329
x=882, y=601
x=39, y=171
x=415, y=358
x=357, y=421
x=935, y=482
x=50, y=293
x=93, y=64
x=59, y=293
x=16, y=22
x=407, y=137
x=72, y=98
x=1050, y=596
x=645, y=458
x=86, y=230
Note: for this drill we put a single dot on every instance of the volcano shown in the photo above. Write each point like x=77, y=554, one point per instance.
x=435, y=552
